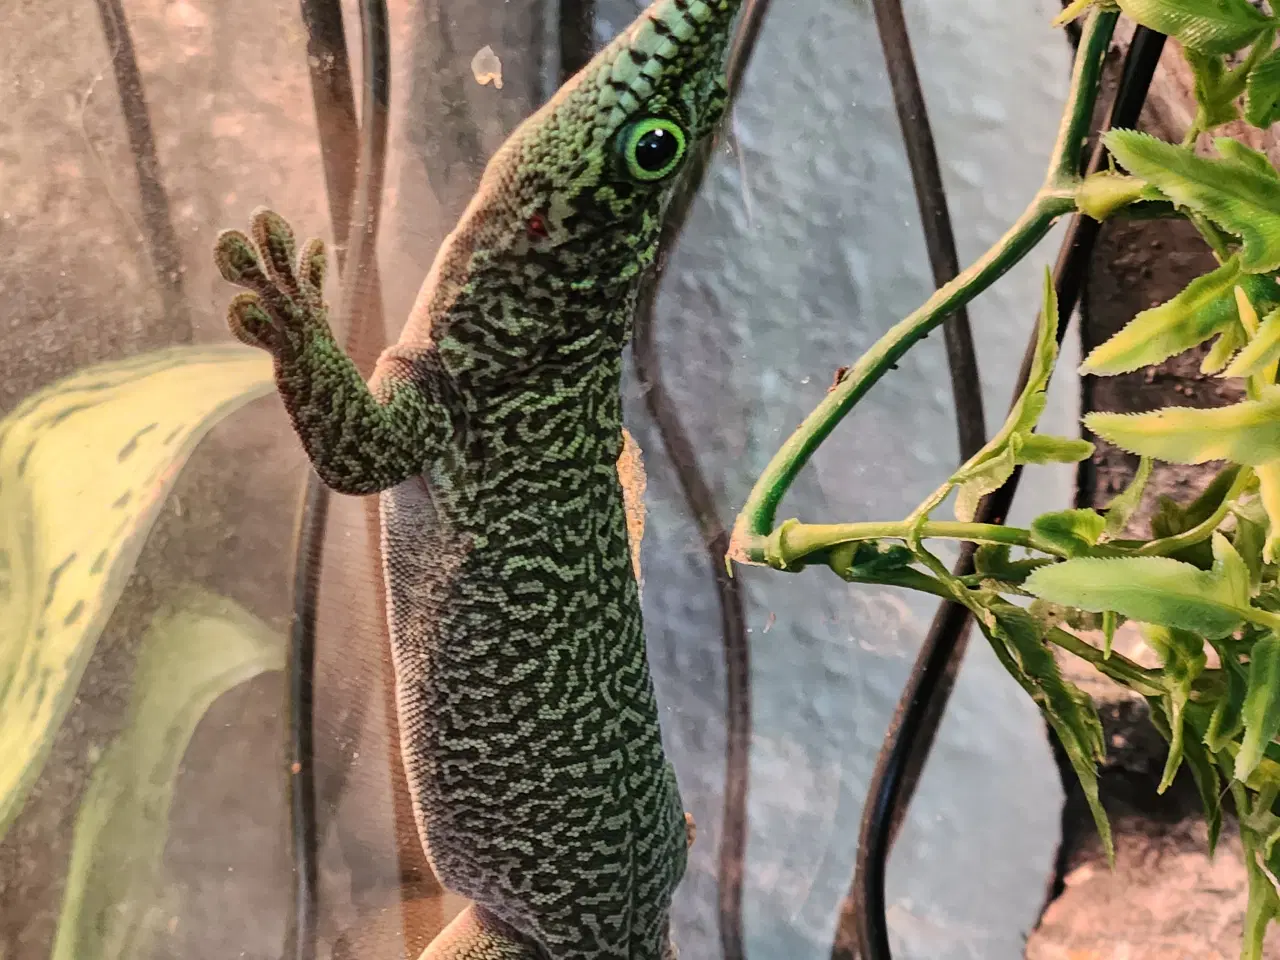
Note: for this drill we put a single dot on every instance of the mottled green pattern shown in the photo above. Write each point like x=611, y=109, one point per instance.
x=529, y=727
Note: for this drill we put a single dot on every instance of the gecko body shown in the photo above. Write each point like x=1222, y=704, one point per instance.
x=491, y=432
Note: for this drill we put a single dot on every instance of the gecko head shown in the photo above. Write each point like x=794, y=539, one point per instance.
x=574, y=200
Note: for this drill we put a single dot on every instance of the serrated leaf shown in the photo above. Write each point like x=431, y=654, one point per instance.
x=1237, y=196
x=1215, y=89
x=1204, y=308
x=1262, y=351
x=1250, y=540
x=1047, y=448
x=191, y=655
x=1262, y=92
x=1208, y=785
x=1018, y=643
x=1269, y=494
x=1247, y=432
x=1124, y=504
x=1072, y=531
x=85, y=465
x=1227, y=719
x=992, y=561
x=988, y=469
x=1205, y=26
x=1224, y=348
x=1183, y=659
x=1150, y=589
x=1261, y=704
x=1103, y=193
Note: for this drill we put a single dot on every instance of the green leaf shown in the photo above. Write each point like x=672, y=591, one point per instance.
x=1247, y=432
x=1269, y=494
x=85, y=466
x=1215, y=89
x=992, y=561
x=1263, y=908
x=1223, y=349
x=1249, y=540
x=1126, y=502
x=1018, y=643
x=1077, y=8
x=1262, y=92
x=1072, y=531
x=1208, y=785
x=1261, y=704
x=1237, y=196
x=190, y=656
x=1109, y=619
x=1102, y=194
x=988, y=469
x=1227, y=719
x=1205, y=26
x=1261, y=352
x=1150, y=589
x=1183, y=659
x=1046, y=448
x=1205, y=307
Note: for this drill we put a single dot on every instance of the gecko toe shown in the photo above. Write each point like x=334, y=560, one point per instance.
x=312, y=267
x=274, y=238
x=251, y=324
x=238, y=261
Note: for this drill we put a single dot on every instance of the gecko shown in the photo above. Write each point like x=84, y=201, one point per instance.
x=491, y=432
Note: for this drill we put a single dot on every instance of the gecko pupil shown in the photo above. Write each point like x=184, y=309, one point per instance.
x=655, y=150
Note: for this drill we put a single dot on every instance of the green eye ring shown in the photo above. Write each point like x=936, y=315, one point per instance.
x=652, y=148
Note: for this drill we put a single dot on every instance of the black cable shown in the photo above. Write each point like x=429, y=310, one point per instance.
x=731, y=856
x=159, y=236
x=354, y=161
x=577, y=19
x=929, y=684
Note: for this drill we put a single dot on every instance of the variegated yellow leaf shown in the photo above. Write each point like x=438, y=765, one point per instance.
x=1246, y=432
x=85, y=465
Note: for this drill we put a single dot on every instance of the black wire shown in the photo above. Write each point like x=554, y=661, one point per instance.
x=577, y=20
x=159, y=236
x=929, y=684
x=731, y=856
x=354, y=161
x=931, y=197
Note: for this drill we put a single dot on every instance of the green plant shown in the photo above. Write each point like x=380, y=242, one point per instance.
x=1207, y=584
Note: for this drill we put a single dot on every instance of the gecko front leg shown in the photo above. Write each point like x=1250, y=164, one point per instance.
x=361, y=438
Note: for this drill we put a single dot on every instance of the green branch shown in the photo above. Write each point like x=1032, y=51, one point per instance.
x=1055, y=199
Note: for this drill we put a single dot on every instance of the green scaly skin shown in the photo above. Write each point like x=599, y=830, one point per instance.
x=492, y=431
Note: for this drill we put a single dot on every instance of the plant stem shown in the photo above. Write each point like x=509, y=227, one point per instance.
x=792, y=541
x=1055, y=199
x=1116, y=666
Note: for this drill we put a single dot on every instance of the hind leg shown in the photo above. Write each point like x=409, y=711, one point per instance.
x=474, y=936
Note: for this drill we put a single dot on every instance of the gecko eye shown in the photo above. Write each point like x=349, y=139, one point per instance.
x=652, y=148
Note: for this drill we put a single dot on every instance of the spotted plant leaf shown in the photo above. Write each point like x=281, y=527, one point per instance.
x=193, y=653
x=85, y=465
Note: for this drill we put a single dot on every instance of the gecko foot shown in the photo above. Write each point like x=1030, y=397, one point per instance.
x=284, y=310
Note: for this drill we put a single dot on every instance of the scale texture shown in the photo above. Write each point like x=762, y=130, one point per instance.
x=492, y=432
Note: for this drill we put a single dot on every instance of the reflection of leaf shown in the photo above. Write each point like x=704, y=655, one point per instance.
x=190, y=656
x=85, y=465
